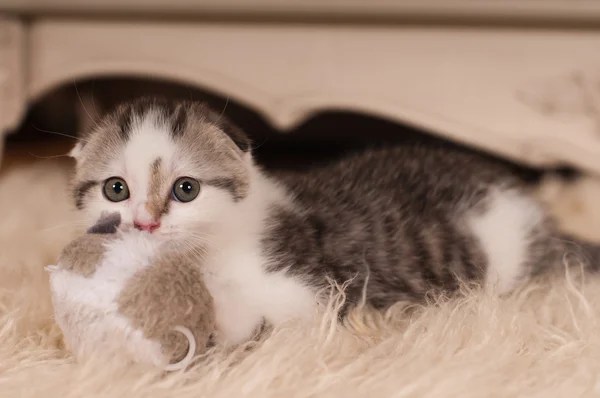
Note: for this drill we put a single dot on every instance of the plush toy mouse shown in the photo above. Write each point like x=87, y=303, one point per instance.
x=125, y=290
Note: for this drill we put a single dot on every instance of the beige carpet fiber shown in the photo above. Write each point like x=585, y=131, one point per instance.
x=542, y=342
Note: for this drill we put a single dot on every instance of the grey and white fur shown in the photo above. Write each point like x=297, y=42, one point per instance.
x=401, y=221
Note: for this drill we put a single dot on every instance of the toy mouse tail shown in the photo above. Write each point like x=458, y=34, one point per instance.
x=191, y=350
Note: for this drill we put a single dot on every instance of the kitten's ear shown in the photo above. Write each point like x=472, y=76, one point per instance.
x=76, y=151
x=237, y=135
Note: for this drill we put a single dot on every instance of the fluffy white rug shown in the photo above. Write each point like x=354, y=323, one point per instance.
x=542, y=342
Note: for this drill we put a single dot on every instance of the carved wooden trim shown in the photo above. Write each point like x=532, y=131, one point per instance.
x=573, y=12
x=571, y=96
x=464, y=84
x=12, y=74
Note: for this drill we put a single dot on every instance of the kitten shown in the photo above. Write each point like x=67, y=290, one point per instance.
x=400, y=222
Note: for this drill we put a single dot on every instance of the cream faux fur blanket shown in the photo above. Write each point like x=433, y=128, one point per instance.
x=542, y=342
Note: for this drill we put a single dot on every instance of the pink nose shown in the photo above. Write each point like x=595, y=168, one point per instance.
x=147, y=226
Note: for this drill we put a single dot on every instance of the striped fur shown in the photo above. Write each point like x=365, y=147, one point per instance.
x=402, y=221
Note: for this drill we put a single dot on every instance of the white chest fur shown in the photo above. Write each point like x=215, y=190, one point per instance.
x=245, y=294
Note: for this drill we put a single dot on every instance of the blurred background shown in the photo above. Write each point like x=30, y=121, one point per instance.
x=311, y=80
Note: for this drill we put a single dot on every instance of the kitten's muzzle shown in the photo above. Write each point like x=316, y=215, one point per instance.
x=149, y=226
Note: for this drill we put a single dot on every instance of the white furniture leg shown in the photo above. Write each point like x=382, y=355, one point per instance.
x=12, y=76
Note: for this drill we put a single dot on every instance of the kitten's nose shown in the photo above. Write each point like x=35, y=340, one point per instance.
x=149, y=226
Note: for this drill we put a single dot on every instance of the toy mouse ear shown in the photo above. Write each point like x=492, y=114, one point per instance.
x=191, y=350
x=107, y=224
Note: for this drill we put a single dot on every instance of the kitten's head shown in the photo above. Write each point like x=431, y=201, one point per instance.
x=168, y=168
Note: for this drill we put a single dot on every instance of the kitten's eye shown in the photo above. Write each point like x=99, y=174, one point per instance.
x=115, y=189
x=185, y=189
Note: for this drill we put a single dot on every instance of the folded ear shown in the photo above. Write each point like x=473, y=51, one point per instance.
x=76, y=151
x=232, y=130
x=237, y=135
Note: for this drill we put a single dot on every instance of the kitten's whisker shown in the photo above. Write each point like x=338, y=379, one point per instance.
x=253, y=147
x=204, y=246
x=69, y=224
x=224, y=108
x=83, y=105
x=196, y=252
x=198, y=240
x=203, y=240
x=94, y=102
x=57, y=133
x=49, y=157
